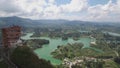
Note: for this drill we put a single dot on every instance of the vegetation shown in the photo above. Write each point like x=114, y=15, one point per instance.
x=3, y=64
x=36, y=43
x=103, y=59
x=107, y=51
x=93, y=64
x=24, y=57
x=111, y=64
x=76, y=50
x=70, y=51
x=108, y=44
x=0, y=36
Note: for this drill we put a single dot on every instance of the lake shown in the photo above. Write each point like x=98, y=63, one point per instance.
x=111, y=33
x=45, y=51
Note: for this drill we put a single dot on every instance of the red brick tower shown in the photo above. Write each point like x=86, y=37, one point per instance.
x=10, y=35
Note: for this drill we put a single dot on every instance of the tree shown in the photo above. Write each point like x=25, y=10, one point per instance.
x=117, y=60
x=24, y=57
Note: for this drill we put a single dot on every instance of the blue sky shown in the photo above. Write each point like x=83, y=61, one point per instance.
x=91, y=2
x=59, y=2
x=95, y=2
x=86, y=10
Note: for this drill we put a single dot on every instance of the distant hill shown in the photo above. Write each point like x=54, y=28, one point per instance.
x=9, y=21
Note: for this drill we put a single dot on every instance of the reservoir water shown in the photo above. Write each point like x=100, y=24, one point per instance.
x=45, y=51
x=111, y=33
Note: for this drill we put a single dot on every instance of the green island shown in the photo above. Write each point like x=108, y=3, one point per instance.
x=36, y=43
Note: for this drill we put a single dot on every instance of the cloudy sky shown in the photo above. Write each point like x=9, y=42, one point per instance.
x=86, y=10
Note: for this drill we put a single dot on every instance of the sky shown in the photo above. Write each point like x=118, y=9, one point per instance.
x=85, y=10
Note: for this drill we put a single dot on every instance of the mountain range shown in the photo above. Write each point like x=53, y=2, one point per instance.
x=9, y=21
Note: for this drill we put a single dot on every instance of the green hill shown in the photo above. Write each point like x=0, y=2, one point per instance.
x=24, y=57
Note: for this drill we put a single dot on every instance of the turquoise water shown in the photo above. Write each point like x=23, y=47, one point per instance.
x=45, y=51
x=112, y=33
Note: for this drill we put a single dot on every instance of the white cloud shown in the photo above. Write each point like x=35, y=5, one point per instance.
x=40, y=9
x=106, y=12
x=51, y=10
x=52, y=1
x=116, y=7
x=74, y=6
x=30, y=5
x=8, y=6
